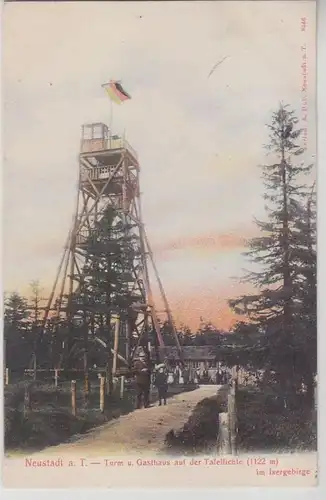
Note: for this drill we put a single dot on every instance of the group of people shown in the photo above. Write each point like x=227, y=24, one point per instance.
x=146, y=374
x=143, y=377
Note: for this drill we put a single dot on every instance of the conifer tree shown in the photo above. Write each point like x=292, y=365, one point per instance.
x=274, y=254
x=15, y=312
x=16, y=325
x=306, y=293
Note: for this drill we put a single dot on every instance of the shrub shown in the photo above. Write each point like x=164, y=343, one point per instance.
x=201, y=430
x=264, y=423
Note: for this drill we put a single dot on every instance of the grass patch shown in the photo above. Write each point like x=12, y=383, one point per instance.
x=199, y=433
x=264, y=423
x=50, y=422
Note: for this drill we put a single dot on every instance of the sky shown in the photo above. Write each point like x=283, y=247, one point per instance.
x=199, y=140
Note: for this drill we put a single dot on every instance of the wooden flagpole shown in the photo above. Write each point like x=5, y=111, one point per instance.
x=110, y=123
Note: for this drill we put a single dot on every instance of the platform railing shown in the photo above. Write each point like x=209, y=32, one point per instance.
x=113, y=143
x=129, y=148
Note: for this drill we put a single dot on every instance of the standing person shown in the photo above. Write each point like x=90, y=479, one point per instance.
x=176, y=375
x=205, y=376
x=170, y=378
x=143, y=381
x=186, y=376
x=181, y=376
x=161, y=382
x=219, y=377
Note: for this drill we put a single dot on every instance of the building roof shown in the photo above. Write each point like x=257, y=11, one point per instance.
x=190, y=353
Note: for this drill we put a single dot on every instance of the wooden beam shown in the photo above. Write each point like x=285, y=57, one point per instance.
x=102, y=394
x=232, y=417
x=73, y=398
x=165, y=300
x=223, y=441
x=116, y=345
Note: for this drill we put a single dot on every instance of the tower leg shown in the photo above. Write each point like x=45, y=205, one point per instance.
x=108, y=374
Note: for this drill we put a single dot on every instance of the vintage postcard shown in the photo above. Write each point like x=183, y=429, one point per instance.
x=159, y=244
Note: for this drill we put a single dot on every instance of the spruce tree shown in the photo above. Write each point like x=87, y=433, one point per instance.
x=306, y=293
x=104, y=288
x=274, y=308
x=16, y=324
x=16, y=312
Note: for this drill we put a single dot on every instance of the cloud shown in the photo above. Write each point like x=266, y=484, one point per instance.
x=205, y=243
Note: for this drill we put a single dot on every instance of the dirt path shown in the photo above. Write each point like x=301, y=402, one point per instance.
x=141, y=431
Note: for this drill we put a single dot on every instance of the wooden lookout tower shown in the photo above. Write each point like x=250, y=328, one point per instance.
x=102, y=292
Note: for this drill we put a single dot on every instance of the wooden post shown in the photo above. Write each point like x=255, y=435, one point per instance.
x=102, y=394
x=223, y=443
x=128, y=342
x=27, y=400
x=122, y=386
x=73, y=397
x=232, y=417
x=56, y=376
x=34, y=367
x=241, y=377
x=86, y=388
x=7, y=376
x=315, y=396
x=116, y=346
x=108, y=375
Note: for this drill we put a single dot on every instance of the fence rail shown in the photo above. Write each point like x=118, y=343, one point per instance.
x=77, y=397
